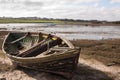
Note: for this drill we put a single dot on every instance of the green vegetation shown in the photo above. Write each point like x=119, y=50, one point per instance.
x=29, y=21
x=22, y=20
x=57, y=21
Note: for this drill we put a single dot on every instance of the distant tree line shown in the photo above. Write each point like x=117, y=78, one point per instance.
x=65, y=20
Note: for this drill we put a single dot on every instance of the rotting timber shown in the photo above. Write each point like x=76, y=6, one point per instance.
x=42, y=52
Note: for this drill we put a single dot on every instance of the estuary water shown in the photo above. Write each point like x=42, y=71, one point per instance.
x=67, y=31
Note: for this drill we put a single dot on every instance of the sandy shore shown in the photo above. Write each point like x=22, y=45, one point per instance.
x=88, y=69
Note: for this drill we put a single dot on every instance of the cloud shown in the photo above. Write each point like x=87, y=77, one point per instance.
x=19, y=5
x=73, y=9
x=25, y=2
x=32, y=3
x=114, y=1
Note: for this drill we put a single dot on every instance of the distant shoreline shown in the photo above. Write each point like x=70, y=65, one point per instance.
x=60, y=21
x=75, y=23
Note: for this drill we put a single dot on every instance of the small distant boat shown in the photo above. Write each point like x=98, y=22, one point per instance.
x=42, y=52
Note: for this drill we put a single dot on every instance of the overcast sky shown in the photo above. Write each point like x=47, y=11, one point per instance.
x=71, y=9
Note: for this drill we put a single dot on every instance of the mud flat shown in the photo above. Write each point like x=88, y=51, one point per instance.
x=68, y=31
x=105, y=51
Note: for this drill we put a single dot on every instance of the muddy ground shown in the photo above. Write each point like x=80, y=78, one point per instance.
x=99, y=60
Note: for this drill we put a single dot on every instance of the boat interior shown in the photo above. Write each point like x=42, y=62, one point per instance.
x=33, y=44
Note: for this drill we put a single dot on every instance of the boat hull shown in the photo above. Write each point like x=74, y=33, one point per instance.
x=64, y=67
x=63, y=63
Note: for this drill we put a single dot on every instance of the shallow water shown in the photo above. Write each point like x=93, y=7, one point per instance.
x=67, y=31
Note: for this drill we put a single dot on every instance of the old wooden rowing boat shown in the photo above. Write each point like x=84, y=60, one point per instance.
x=42, y=52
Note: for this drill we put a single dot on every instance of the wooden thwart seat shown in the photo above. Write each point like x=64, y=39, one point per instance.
x=54, y=50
